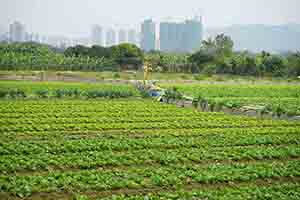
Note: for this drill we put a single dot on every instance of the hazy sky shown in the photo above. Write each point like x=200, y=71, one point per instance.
x=75, y=17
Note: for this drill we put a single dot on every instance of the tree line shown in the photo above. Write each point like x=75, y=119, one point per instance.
x=34, y=56
x=217, y=56
x=214, y=56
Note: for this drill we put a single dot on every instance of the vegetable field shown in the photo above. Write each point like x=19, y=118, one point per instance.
x=287, y=97
x=13, y=89
x=139, y=149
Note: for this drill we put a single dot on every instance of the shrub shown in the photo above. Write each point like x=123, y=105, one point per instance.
x=172, y=94
x=94, y=94
x=116, y=75
x=265, y=110
x=291, y=113
x=212, y=105
x=184, y=77
x=232, y=105
x=200, y=77
x=218, y=78
x=42, y=93
x=195, y=103
x=209, y=70
x=16, y=93
x=109, y=94
x=59, y=93
x=3, y=93
x=219, y=106
x=203, y=103
x=279, y=111
x=76, y=92
x=119, y=94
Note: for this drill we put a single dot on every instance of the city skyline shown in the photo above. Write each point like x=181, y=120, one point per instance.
x=181, y=36
x=264, y=37
x=148, y=35
x=17, y=32
x=97, y=35
x=73, y=18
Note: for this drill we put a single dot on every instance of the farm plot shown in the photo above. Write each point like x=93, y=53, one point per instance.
x=137, y=149
x=284, y=97
x=25, y=89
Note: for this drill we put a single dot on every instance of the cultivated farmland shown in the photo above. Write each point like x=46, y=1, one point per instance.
x=13, y=89
x=283, y=97
x=137, y=149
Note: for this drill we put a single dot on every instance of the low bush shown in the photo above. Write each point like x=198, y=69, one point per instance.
x=59, y=93
x=200, y=77
x=108, y=94
x=16, y=93
x=172, y=94
x=42, y=93
x=3, y=93
x=116, y=76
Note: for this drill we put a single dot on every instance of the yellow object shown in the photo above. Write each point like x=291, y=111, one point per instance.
x=147, y=70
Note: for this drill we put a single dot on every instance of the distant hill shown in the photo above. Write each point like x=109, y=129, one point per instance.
x=256, y=38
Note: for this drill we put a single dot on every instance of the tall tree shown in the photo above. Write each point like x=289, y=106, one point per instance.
x=128, y=54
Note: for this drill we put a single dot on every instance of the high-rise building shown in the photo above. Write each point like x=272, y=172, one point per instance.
x=167, y=36
x=148, y=36
x=193, y=35
x=122, y=36
x=36, y=38
x=17, y=32
x=43, y=39
x=33, y=37
x=181, y=36
x=28, y=37
x=111, y=37
x=97, y=35
x=132, y=37
x=2, y=30
x=4, y=37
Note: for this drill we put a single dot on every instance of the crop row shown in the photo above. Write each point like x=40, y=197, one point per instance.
x=108, y=158
x=141, y=134
x=107, y=114
x=44, y=103
x=226, y=90
x=95, y=109
x=113, y=118
x=74, y=93
x=288, y=103
x=80, y=102
x=275, y=99
x=31, y=87
x=88, y=108
x=119, y=119
x=270, y=190
x=147, y=177
x=125, y=143
x=99, y=107
x=144, y=125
